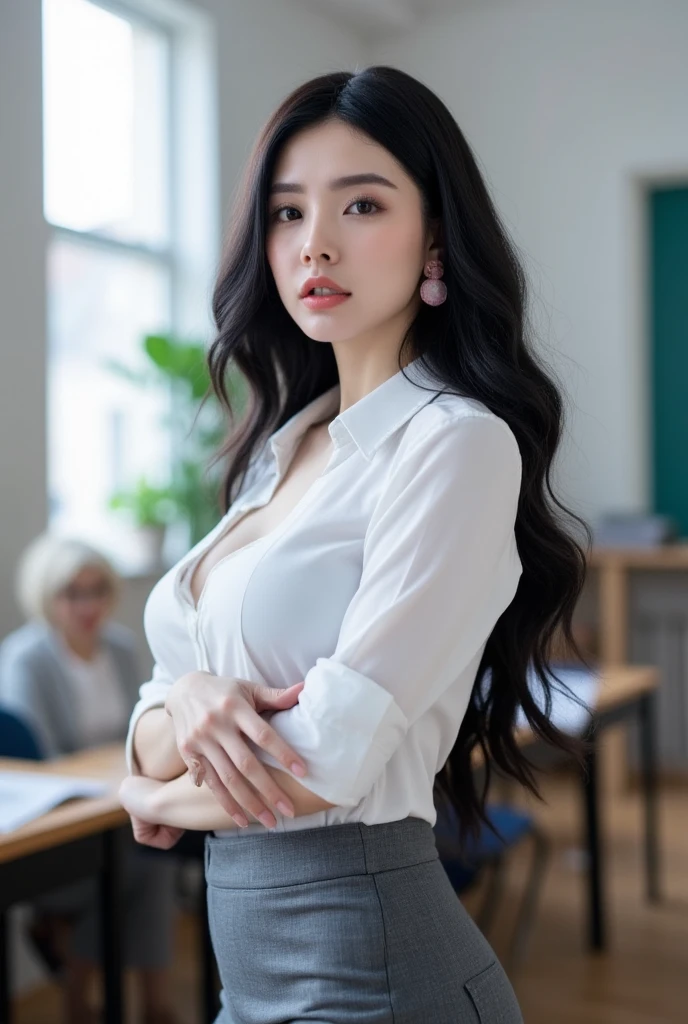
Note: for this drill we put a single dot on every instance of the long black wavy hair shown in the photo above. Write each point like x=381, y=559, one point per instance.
x=476, y=343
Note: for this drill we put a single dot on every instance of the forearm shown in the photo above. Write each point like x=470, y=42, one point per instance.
x=181, y=804
x=155, y=746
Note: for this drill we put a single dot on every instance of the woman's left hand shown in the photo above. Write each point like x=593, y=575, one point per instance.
x=162, y=837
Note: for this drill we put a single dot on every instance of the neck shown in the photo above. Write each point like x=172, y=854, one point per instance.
x=364, y=363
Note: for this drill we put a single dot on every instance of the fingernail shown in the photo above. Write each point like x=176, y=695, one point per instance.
x=285, y=808
x=267, y=819
x=241, y=821
x=298, y=769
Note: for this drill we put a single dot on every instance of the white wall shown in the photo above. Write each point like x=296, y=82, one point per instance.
x=566, y=104
x=22, y=292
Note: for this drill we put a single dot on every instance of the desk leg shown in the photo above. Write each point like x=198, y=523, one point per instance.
x=646, y=717
x=5, y=998
x=596, y=937
x=209, y=1002
x=111, y=925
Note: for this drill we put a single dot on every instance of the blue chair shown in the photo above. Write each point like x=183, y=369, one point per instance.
x=16, y=738
x=465, y=866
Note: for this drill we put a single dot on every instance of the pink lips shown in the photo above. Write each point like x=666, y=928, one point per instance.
x=318, y=302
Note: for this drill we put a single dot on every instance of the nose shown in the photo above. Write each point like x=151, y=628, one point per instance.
x=317, y=247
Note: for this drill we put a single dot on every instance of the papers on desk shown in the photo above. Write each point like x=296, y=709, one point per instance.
x=26, y=795
x=569, y=709
x=570, y=701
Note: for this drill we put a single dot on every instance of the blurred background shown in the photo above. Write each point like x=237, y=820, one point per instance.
x=124, y=127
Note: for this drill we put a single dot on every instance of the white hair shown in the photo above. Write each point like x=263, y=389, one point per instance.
x=50, y=563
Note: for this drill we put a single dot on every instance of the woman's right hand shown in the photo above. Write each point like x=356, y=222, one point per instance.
x=213, y=716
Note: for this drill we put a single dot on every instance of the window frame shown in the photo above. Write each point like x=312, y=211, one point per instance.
x=184, y=28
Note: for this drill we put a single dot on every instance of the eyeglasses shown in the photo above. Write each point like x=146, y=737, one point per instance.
x=100, y=592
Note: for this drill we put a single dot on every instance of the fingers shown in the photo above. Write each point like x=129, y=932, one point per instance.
x=232, y=777
x=262, y=784
x=162, y=837
x=196, y=771
x=267, y=699
x=264, y=736
x=223, y=796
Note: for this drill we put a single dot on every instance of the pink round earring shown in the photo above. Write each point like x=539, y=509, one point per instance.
x=433, y=291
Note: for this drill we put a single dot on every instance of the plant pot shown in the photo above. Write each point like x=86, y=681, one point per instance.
x=150, y=540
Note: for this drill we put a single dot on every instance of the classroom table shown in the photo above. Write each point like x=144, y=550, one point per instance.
x=75, y=840
x=80, y=839
x=625, y=691
x=615, y=567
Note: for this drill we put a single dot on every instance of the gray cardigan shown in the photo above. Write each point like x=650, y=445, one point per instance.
x=33, y=683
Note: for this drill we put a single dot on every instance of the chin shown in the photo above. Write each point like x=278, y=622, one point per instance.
x=322, y=332
x=328, y=328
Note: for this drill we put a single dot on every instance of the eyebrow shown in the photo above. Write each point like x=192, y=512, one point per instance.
x=337, y=183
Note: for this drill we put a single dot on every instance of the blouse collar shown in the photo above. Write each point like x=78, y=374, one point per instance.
x=367, y=423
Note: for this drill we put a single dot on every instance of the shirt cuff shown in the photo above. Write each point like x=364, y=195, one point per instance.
x=345, y=727
x=154, y=698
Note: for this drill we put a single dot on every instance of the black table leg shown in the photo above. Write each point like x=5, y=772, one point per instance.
x=648, y=753
x=5, y=998
x=210, y=1004
x=596, y=936
x=111, y=926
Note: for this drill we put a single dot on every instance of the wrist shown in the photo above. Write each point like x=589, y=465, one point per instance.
x=157, y=804
x=179, y=688
x=175, y=692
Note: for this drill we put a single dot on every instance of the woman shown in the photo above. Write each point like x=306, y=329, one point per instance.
x=389, y=536
x=70, y=673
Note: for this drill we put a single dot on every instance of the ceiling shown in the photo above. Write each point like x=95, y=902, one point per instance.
x=377, y=18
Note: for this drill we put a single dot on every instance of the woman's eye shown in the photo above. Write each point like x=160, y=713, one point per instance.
x=283, y=209
x=364, y=202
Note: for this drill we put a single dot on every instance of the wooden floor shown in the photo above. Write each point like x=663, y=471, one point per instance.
x=642, y=979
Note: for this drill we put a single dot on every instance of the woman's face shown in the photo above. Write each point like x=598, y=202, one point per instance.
x=81, y=608
x=367, y=236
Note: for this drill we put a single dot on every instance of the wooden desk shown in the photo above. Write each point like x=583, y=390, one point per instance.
x=614, y=566
x=77, y=818
x=74, y=841
x=85, y=834
x=624, y=691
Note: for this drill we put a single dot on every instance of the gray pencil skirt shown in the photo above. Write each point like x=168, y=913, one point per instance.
x=347, y=923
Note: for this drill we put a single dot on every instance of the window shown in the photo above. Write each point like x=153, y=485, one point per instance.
x=118, y=184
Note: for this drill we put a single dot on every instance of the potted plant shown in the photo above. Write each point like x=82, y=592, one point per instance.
x=192, y=491
x=151, y=509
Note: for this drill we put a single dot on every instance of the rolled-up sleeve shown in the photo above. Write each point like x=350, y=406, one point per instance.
x=152, y=694
x=440, y=565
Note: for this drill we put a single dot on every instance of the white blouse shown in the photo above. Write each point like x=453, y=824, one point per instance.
x=379, y=589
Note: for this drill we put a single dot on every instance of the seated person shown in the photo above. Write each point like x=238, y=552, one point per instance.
x=70, y=674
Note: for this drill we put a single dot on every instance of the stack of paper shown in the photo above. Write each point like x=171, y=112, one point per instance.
x=26, y=795
x=573, y=699
x=574, y=694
